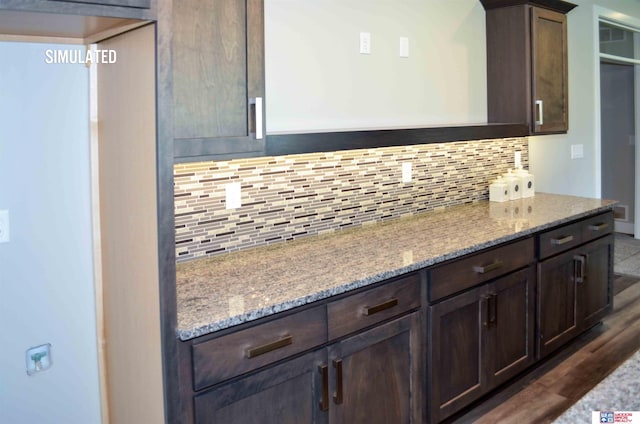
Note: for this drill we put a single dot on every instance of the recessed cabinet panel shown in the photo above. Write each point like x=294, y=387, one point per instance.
x=209, y=69
x=550, y=71
x=285, y=394
x=455, y=365
x=527, y=78
x=376, y=375
x=595, y=291
x=218, y=79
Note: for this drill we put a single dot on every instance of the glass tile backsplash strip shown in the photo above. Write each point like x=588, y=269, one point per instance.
x=287, y=197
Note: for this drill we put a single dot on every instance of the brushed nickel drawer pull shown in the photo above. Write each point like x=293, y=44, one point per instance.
x=488, y=268
x=269, y=347
x=337, y=397
x=324, y=403
x=381, y=307
x=598, y=227
x=561, y=240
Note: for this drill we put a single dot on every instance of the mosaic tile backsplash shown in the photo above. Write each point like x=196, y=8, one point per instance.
x=287, y=197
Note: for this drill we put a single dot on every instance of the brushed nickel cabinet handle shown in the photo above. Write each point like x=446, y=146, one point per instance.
x=488, y=268
x=370, y=310
x=579, y=264
x=269, y=347
x=562, y=240
x=491, y=301
x=540, y=110
x=598, y=227
x=337, y=397
x=324, y=402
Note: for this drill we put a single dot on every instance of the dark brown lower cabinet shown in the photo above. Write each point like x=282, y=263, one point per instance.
x=479, y=339
x=573, y=292
x=594, y=293
x=283, y=394
x=374, y=376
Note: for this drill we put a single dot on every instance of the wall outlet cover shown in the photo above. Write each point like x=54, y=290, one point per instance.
x=38, y=359
x=4, y=227
x=577, y=151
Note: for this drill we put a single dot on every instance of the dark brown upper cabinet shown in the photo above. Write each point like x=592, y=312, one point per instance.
x=218, y=79
x=527, y=78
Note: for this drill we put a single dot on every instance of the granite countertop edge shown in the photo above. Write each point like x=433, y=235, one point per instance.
x=289, y=304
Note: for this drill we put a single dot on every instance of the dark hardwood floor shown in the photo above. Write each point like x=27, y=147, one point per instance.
x=546, y=391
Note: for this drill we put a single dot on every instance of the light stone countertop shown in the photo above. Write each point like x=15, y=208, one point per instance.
x=223, y=291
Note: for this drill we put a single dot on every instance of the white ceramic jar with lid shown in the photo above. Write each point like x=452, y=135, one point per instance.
x=513, y=181
x=527, y=185
x=499, y=190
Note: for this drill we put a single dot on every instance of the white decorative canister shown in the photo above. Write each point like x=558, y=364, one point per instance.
x=499, y=190
x=513, y=181
x=527, y=185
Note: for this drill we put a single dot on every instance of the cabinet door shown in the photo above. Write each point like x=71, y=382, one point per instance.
x=510, y=326
x=289, y=393
x=455, y=345
x=549, y=52
x=376, y=375
x=557, y=301
x=594, y=290
x=218, y=73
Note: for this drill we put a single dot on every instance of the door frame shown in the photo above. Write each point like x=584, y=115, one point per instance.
x=601, y=13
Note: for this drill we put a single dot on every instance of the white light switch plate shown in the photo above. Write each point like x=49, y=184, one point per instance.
x=233, y=195
x=365, y=43
x=577, y=151
x=404, y=47
x=406, y=172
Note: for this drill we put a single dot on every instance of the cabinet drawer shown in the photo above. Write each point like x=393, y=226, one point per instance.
x=597, y=226
x=560, y=239
x=469, y=271
x=369, y=307
x=234, y=354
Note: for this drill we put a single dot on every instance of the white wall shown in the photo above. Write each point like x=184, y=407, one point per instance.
x=318, y=80
x=46, y=271
x=549, y=156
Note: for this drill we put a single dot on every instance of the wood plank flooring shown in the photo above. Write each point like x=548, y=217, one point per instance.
x=545, y=392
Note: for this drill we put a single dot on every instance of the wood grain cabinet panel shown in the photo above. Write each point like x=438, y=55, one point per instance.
x=376, y=375
x=460, y=274
x=479, y=339
x=225, y=357
x=594, y=292
x=289, y=393
x=574, y=287
x=527, y=67
x=369, y=307
x=218, y=78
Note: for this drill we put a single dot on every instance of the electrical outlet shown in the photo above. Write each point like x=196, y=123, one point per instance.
x=365, y=43
x=4, y=227
x=517, y=159
x=577, y=151
x=38, y=358
x=406, y=172
x=233, y=195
